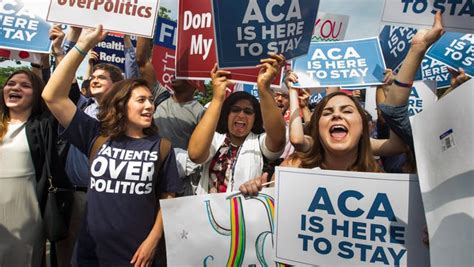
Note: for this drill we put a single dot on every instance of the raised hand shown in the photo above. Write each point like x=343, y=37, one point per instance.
x=93, y=57
x=219, y=82
x=457, y=77
x=90, y=37
x=269, y=69
x=57, y=35
x=303, y=98
x=424, y=38
x=290, y=78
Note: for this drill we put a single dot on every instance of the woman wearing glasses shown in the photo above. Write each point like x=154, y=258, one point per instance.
x=229, y=141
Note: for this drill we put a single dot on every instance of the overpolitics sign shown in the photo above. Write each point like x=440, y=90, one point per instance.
x=219, y=231
x=329, y=27
x=444, y=148
x=457, y=15
x=246, y=31
x=348, y=219
x=196, y=48
x=23, y=26
x=135, y=18
x=164, y=48
x=455, y=50
x=343, y=63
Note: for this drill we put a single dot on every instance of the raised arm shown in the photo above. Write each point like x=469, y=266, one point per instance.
x=57, y=35
x=131, y=66
x=301, y=142
x=56, y=91
x=92, y=59
x=303, y=97
x=143, y=53
x=201, y=139
x=400, y=89
x=273, y=122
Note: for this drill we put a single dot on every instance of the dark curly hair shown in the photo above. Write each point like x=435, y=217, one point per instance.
x=113, y=109
x=257, y=127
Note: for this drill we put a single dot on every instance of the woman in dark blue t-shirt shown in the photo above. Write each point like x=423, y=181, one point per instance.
x=123, y=222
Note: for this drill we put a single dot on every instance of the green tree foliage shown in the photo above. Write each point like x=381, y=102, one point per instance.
x=206, y=96
x=164, y=13
x=6, y=71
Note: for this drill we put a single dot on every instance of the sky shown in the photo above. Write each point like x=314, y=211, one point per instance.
x=364, y=15
x=364, y=18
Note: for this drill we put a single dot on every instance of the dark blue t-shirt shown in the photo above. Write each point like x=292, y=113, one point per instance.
x=122, y=198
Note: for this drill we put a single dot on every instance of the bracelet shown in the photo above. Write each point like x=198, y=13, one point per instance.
x=59, y=53
x=80, y=51
x=398, y=83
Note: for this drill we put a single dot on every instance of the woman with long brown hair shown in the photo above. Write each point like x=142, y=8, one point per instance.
x=339, y=135
x=22, y=155
x=129, y=171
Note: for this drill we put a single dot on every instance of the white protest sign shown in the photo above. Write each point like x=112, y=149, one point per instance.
x=444, y=146
x=210, y=230
x=457, y=15
x=137, y=17
x=330, y=27
x=423, y=95
x=20, y=55
x=348, y=218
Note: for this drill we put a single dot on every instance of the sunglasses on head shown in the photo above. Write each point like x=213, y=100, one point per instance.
x=237, y=109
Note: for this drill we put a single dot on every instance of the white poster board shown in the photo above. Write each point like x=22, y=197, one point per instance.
x=444, y=147
x=210, y=230
x=333, y=218
x=329, y=27
x=457, y=15
x=131, y=17
x=423, y=95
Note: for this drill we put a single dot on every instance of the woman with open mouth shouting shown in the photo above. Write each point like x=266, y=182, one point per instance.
x=230, y=140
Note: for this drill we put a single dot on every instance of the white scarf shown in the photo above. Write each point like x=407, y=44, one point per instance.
x=248, y=165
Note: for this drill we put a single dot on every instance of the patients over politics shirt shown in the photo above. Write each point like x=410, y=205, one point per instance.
x=123, y=193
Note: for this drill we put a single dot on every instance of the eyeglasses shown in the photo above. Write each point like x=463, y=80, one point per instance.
x=237, y=109
x=280, y=94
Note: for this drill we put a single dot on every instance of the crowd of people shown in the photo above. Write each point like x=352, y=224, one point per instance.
x=121, y=142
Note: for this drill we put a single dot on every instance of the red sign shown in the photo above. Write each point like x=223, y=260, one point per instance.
x=196, y=51
x=163, y=61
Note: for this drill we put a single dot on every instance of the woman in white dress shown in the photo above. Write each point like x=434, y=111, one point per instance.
x=22, y=155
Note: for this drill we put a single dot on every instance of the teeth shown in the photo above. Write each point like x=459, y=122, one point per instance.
x=338, y=127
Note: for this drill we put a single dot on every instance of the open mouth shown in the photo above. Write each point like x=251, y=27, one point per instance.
x=338, y=131
x=239, y=125
x=146, y=115
x=14, y=96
